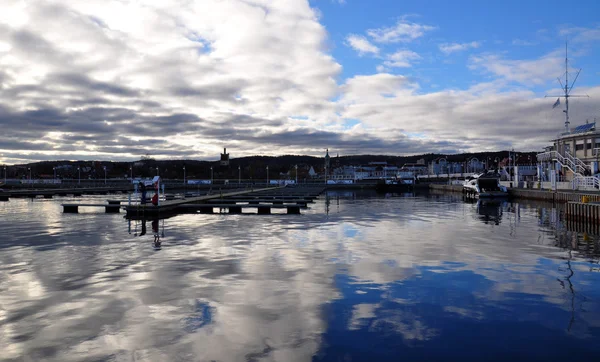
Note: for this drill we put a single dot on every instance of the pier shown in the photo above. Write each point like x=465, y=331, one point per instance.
x=50, y=193
x=263, y=200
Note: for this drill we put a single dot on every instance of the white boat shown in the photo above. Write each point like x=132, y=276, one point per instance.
x=485, y=185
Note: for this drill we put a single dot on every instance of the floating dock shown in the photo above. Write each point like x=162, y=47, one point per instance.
x=50, y=193
x=263, y=200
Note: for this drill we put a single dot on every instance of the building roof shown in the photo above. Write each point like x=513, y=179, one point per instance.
x=586, y=128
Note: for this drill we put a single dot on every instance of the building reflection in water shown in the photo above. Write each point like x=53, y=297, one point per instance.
x=580, y=241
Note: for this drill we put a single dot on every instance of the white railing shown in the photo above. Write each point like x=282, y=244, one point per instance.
x=577, y=161
x=586, y=182
x=565, y=162
x=576, y=166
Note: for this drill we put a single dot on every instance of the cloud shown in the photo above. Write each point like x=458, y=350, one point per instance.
x=131, y=69
x=401, y=59
x=484, y=117
x=581, y=34
x=403, y=32
x=522, y=42
x=361, y=44
x=448, y=48
x=527, y=72
x=105, y=80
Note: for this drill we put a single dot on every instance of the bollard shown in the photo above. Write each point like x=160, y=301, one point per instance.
x=585, y=199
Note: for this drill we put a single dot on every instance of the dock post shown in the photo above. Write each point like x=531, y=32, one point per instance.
x=112, y=209
x=264, y=210
x=74, y=209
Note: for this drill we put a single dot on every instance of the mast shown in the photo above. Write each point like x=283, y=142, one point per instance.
x=567, y=89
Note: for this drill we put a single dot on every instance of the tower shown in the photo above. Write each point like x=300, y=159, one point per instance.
x=225, y=158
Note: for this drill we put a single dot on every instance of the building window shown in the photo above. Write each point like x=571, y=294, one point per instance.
x=589, y=146
x=579, y=147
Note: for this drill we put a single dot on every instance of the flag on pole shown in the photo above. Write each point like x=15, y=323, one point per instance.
x=557, y=103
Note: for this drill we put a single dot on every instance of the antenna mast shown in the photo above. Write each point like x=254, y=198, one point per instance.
x=567, y=89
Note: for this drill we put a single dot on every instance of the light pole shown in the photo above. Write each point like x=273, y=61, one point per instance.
x=131, y=171
x=239, y=175
x=156, y=170
x=54, y=169
x=267, y=175
x=29, y=169
x=296, y=174
x=211, y=175
x=79, y=172
x=184, y=175
x=5, y=175
x=104, y=174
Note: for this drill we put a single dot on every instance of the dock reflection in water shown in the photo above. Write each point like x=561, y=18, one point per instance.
x=358, y=277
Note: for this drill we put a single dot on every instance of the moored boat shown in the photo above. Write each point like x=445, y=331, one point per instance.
x=485, y=185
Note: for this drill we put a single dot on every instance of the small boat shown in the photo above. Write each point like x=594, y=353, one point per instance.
x=401, y=183
x=485, y=185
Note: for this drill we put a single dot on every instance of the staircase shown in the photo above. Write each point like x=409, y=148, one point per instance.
x=576, y=166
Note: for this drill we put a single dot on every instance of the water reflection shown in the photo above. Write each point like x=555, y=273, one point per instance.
x=156, y=232
x=490, y=211
x=356, y=277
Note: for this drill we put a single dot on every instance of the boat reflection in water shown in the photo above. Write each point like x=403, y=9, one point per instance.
x=490, y=211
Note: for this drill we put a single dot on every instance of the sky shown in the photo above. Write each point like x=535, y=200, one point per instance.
x=117, y=80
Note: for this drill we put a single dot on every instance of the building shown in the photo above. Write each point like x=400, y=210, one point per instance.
x=416, y=168
x=438, y=166
x=474, y=165
x=582, y=142
x=225, y=158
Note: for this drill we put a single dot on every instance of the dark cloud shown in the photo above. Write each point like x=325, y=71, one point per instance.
x=84, y=83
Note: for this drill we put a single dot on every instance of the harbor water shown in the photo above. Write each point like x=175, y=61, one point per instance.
x=356, y=277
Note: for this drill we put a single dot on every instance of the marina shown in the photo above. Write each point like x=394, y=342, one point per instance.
x=299, y=181
x=356, y=265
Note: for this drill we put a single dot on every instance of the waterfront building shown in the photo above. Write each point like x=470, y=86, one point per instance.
x=474, y=165
x=438, y=166
x=415, y=168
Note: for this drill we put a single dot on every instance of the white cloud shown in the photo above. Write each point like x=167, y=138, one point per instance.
x=361, y=44
x=213, y=60
x=527, y=72
x=448, y=48
x=581, y=34
x=484, y=117
x=401, y=32
x=522, y=42
x=401, y=59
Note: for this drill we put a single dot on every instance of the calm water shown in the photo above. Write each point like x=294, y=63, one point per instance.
x=355, y=278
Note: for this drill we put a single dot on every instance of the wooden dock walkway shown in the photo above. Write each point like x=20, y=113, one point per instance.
x=50, y=193
x=171, y=206
x=263, y=200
